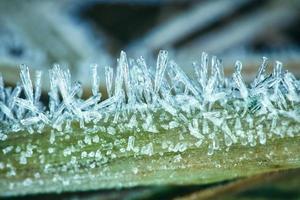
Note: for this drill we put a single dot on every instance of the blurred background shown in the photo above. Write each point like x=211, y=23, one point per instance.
x=78, y=33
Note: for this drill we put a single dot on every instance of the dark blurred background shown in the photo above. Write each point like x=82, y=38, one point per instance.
x=77, y=33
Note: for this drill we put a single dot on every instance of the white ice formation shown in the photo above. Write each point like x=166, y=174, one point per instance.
x=210, y=107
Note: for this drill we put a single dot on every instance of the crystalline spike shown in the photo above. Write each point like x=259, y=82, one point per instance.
x=161, y=65
x=68, y=96
x=281, y=100
x=137, y=85
x=44, y=118
x=238, y=67
x=277, y=76
x=209, y=88
x=15, y=93
x=125, y=72
x=66, y=75
x=119, y=77
x=117, y=113
x=26, y=104
x=289, y=81
x=109, y=73
x=95, y=79
x=58, y=112
x=266, y=103
x=124, y=69
x=217, y=75
x=38, y=89
x=53, y=94
x=30, y=121
x=277, y=71
x=185, y=80
x=221, y=69
x=62, y=85
x=238, y=80
x=204, y=65
x=204, y=69
x=217, y=69
x=19, y=111
x=214, y=69
x=141, y=62
x=67, y=90
x=7, y=93
x=26, y=81
x=169, y=108
x=148, y=89
x=93, y=100
x=261, y=72
x=107, y=102
x=6, y=111
x=197, y=71
x=204, y=60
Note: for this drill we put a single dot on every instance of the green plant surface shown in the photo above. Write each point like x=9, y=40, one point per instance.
x=68, y=168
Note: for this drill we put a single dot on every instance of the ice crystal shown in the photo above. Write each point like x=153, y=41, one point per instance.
x=213, y=109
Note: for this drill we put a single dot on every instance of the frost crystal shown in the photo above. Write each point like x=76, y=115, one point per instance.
x=214, y=110
x=95, y=80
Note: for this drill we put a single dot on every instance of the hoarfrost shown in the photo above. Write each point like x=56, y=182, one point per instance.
x=210, y=109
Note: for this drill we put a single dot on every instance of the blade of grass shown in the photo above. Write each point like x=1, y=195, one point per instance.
x=57, y=171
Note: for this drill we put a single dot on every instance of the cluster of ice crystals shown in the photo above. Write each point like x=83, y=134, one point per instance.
x=210, y=107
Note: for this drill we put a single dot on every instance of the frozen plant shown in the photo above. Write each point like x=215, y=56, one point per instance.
x=209, y=107
x=210, y=112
